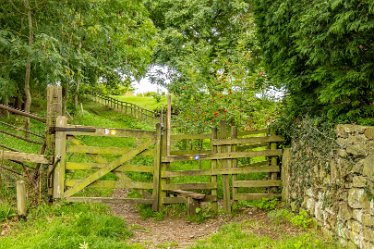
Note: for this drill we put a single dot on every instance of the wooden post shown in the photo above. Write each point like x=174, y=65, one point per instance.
x=274, y=163
x=54, y=109
x=233, y=162
x=21, y=199
x=285, y=173
x=225, y=178
x=157, y=170
x=213, y=165
x=59, y=159
x=168, y=127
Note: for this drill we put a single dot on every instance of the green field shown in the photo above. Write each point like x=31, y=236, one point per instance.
x=146, y=102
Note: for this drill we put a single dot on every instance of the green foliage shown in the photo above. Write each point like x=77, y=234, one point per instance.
x=302, y=219
x=211, y=52
x=322, y=52
x=263, y=204
x=146, y=212
x=69, y=226
x=6, y=211
x=202, y=214
x=74, y=43
x=235, y=236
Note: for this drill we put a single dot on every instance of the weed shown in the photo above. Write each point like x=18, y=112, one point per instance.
x=201, y=215
x=263, y=204
x=302, y=219
x=280, y=216
x=6, y=211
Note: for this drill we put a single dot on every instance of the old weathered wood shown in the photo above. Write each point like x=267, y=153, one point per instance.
x=192, y=199
x=285, y=164
x=20, y=137
x=180, y=199
x=124, y=168
x=157, y=170
x=60, y=156
x=213, y=166
x=112, y=184
x=23, y=157
x=222, y=155
x=257, y=183
x=103, y=132
x=234, y=162
x=110, y=200
x=23, y=130
x=191, y=152
x=190, y=136
x=193, y=195
x=22, y=113
x=225, y=165
x=220, y=171
x=189, y=186
x=168, y=127
x=84, y=149
x=273, y=162
x=21, y=199
x=111, y=166
x=248, y=141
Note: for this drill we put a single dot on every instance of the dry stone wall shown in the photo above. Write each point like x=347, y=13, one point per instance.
x=333, y=180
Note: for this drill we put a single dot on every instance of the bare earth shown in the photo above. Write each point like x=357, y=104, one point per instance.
x=178, y=232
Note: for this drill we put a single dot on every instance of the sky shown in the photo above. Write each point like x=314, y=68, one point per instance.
x=144, y=85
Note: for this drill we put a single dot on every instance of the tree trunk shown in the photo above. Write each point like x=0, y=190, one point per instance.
x=28, y=67
x=79, y=80
x=65, y=96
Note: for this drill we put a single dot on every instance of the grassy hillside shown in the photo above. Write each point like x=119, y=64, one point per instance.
x=147, y=102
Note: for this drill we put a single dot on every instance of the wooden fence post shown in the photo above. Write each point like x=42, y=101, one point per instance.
x=157, y=170
x=285, y=166
x=21, y=199
x=225, y=178
x=273, y=162
x=59, y=160
x=233, y=162
x=54, y=109
x=213, y=165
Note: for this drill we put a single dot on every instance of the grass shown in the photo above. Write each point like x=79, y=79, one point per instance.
x=147, y=102
x=69, y=226
x=101, y=116
x=245, y=235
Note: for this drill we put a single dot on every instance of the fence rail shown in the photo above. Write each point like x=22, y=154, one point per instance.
x=127, y=108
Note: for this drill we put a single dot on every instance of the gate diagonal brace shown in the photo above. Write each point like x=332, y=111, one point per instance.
x=111, y=166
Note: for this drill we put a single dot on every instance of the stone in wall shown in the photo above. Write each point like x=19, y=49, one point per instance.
x=336, y=183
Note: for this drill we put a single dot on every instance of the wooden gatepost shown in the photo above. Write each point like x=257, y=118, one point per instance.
x=54, y=110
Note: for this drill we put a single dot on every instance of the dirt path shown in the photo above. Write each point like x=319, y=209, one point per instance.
x=171, y=232
x=178, y=232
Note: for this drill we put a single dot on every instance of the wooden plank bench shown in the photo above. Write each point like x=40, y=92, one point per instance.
x=193, y=199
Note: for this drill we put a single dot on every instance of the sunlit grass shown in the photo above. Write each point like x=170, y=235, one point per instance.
x=146, y=102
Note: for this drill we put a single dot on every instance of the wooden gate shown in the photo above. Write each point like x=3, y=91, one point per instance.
x=86, y=170
x=154, y=168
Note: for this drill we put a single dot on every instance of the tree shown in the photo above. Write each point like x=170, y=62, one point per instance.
x=74, y=42
x=211, y=50
x=323, y=53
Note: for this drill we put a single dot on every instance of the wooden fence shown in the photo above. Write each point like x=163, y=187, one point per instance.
x=127, y=108
x=232, y=166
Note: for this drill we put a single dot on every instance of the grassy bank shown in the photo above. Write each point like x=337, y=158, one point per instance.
x=147, y=102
